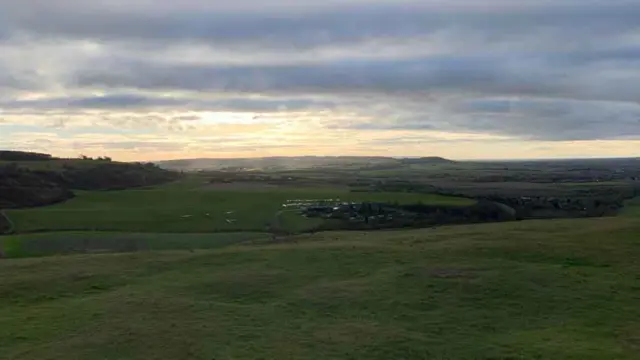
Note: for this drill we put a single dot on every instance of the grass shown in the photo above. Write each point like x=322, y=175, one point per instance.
x=183, y=207
x=554, y=289
x=632, y=208
x=60, y=243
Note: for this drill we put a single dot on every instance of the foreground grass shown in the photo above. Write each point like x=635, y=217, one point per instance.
x=558, y=289
x=189, y=206
x=64, y=243
x=632, y=208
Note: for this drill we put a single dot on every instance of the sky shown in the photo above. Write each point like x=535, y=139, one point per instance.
x=462, y=79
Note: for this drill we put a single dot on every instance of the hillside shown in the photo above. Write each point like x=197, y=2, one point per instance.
x=427, y=160
x=554, y=289
x=25, y=188
x=33, y=179
x=11, y=155
x=242, y=265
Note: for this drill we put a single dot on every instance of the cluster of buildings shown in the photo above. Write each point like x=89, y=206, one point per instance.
x=349, y=211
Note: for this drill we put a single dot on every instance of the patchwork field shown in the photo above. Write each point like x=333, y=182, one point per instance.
x=553, y=289
x=191, y=207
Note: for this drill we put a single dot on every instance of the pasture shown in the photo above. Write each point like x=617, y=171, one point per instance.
x=92, y=242
x=553, y=289
x=190, y=206
x=632, y=207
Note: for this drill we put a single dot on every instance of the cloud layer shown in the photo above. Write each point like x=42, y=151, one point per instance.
x=272, y=75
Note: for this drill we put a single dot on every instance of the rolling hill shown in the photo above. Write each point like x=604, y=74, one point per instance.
x=295, y=162
x=552, y=289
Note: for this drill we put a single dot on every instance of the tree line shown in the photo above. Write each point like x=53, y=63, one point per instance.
x=21, y=186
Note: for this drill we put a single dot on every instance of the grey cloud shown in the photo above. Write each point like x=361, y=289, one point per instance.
x=487, y=106
x=313, y=28
x=11, y=83
x=114, y=101
x=186, y=118
x=528, y=119
x=537, y=71
x=117, y=101
x=239, y=147
x=132, y=145
x=138, y=102
x=518, y=75
x=543, y=70
x=334, y=76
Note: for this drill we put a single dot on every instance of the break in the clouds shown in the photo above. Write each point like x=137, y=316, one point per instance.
x=406, y=77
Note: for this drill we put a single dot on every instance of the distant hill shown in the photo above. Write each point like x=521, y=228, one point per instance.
x=427, y=160
x=294, y=162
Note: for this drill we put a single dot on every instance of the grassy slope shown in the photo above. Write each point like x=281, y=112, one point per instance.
x=161, y=209
x=53, y=243
x=557, y=289
x=632, y=208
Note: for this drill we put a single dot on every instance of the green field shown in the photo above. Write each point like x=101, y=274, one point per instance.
x=191, y=206
x=554, y=289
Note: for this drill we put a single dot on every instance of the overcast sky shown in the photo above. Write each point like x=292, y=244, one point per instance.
x=165, y=79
